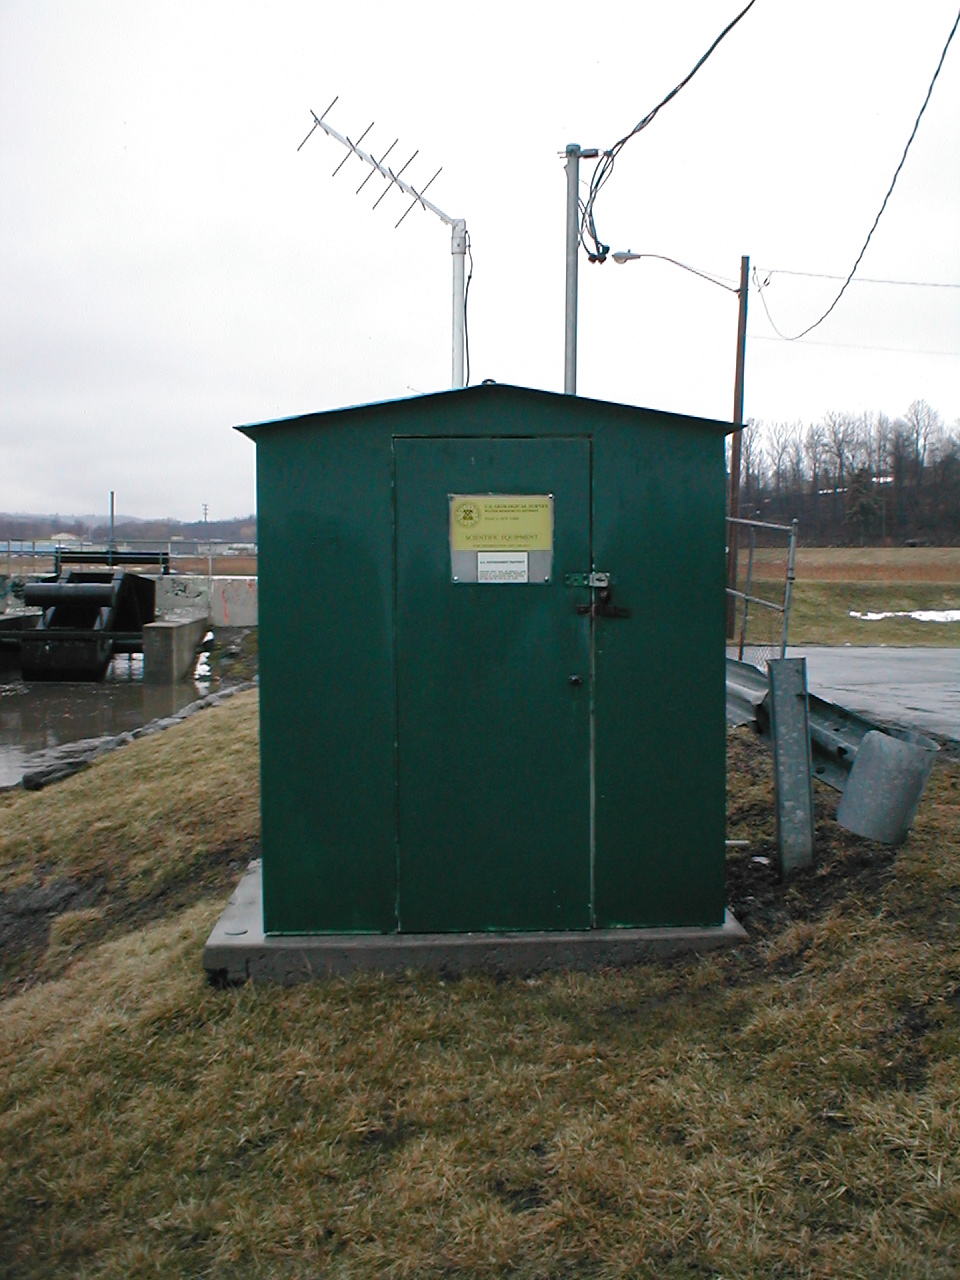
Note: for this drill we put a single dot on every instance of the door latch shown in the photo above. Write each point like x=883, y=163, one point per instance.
x=601, y=607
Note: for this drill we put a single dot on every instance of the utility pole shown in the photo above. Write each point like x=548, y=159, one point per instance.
x=573, y=245
x=113, y=543
x=735, y=447
x=574, y=156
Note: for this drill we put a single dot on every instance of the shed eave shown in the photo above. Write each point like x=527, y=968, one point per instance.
x=498, y=390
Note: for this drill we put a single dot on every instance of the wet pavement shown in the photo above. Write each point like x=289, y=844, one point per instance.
x=913, y=688
x=37, y=716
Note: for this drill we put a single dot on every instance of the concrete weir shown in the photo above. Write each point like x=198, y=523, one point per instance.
x=238, y=950
x=170, y=648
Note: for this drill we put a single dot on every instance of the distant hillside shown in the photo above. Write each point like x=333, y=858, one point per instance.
x=127, y=528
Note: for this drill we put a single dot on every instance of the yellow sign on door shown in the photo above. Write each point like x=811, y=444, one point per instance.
x=501, y=522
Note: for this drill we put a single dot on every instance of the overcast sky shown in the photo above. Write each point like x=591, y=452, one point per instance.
x=171, y=266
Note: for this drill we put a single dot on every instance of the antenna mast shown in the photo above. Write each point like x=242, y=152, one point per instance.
x=458, y=227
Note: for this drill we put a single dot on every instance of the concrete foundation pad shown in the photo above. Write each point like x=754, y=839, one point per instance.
x=238, y=949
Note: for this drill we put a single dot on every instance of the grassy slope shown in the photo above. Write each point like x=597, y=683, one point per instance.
x=791, y=1106
x=833, y=581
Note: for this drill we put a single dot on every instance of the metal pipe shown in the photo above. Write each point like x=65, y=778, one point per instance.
x=52, y=593
x=573, y=245
x=458, y=248
x=761, y=524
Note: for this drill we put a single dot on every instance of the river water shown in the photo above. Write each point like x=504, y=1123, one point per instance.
x=38, y=715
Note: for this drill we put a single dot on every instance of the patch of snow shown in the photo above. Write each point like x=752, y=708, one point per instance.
x=918, y=615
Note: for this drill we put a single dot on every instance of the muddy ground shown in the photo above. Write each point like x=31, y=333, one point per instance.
x=110, y=901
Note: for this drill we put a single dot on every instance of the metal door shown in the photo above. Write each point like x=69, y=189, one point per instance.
x=493, y=689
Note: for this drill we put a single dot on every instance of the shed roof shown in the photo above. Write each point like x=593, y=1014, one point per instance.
x=494, y=391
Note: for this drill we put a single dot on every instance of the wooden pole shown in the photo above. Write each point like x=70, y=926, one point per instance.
x=734, y=504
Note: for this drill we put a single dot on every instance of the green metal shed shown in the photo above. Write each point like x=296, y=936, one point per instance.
x=491, y=666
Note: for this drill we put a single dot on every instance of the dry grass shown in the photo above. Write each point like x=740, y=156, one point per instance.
x=833, y=582
x=789, y=1108
x=140, y=833
x=879, y=564
x=821, y=613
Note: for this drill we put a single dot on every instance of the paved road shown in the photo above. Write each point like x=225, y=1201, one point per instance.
x=915, y=688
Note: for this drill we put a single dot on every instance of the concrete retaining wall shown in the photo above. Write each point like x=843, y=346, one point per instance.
x=229, y=602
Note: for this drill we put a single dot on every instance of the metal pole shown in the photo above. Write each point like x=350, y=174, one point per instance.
x=458, y=248
x=734, y=511
x=112, y=541
x=746, y=595
x=573, y=246
x=788, y=587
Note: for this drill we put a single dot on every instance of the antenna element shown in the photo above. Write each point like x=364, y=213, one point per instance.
x=458, y=227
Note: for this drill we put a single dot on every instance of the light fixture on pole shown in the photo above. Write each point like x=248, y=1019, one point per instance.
x=734, y=504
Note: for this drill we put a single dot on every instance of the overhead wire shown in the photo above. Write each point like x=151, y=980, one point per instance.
x=822, y=275
x=604, y=166
x=862, y=346
x=913, y=133
x=724, y=282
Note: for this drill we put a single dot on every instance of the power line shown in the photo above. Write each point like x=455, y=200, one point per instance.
x=860, y=346
x=726, y=282
x=604, y=166
x=913, y=134
x=769, y=272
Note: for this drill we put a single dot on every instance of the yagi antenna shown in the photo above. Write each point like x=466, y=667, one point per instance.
x=458, y=227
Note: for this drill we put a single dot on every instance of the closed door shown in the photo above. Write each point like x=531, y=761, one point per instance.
x=493, y=684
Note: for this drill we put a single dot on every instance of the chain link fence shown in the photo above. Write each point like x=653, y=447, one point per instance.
x=758, y=607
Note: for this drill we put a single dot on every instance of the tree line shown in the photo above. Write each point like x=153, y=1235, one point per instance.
x=856, y=479
x=44, y=527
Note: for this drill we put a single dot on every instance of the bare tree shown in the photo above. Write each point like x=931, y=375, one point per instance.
x=777, y=445
x=814, y=448
x=899, y=452
x=861, y=444
x=839, y=431
x=795, y=456
x=750, y=453
x=921, y=422
x=881, y=446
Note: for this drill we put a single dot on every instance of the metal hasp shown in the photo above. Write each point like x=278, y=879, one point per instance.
x=87, y=619
x=792, y=776
x=490, y=753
